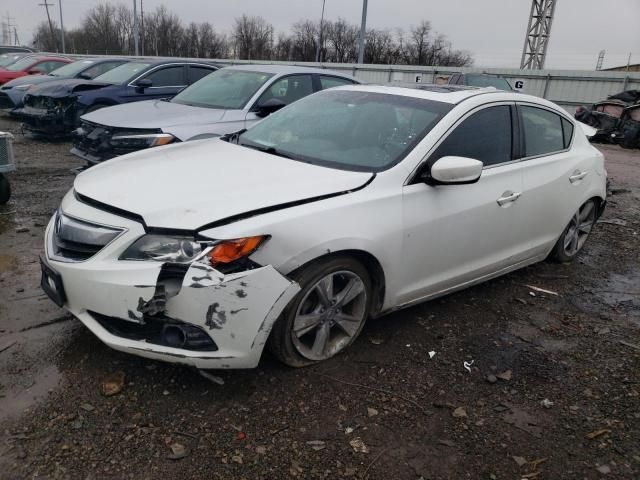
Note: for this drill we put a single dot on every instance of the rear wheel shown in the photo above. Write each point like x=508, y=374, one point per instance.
x=576, y=234
x=326, y=316
x=5, y=189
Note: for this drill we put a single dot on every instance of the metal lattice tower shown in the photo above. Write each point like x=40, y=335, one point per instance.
x=538, y=32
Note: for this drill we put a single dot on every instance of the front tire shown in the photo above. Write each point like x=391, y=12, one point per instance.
x=326, y=316
x=575, y=235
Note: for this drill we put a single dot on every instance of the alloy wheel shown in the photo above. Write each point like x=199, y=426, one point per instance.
x=330, y=315
x=579, y=229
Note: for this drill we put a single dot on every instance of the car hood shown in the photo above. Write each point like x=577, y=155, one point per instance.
x=190, y=185
x=153, y=114
x=63, y=88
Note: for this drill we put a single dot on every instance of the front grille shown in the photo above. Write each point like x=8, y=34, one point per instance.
x=77, y=240
x=7, y=162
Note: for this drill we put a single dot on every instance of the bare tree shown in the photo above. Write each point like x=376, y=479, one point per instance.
x=253, y=38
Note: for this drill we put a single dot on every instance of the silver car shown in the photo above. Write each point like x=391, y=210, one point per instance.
x=226, y=101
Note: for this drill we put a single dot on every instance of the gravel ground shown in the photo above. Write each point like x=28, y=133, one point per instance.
x=553, y=389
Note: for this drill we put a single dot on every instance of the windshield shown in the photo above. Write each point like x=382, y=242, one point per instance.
x=347, y=129
x=8, y=59
x=21, y=64
x=72, y=69
x=122, y=73
x=225, y=89
x=487, y=81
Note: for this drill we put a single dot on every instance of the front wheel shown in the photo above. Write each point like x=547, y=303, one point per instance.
x=575, y=235
x=5, y=189
x=326, y=316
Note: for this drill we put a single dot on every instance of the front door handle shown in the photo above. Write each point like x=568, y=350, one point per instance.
x=508, y=197
x=577, y=176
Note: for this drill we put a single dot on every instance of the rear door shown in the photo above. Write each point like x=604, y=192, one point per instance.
x=455, y=234
x=555, y=176
x=287, y=89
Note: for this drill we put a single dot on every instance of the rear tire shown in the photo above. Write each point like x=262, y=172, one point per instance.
x=575, y=235
x=5, y=189
x=326, y=316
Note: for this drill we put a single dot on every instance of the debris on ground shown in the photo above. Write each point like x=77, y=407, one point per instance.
x=519, y=460
x=178, y=451
x=213, y=378
x=432, y=354
x=112, y=384
x=459, y=412
x=358, y=445
x=542, y=290
x=506, y=375
x=467, y=365
x=546, y=403
x=597, y=433
x=316, y=445
x=371, y=412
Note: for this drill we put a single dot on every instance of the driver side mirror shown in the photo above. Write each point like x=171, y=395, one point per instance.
x=267, y=108
x=454, y=171
x=142, y=84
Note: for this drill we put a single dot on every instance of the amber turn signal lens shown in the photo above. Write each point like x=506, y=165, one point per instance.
x=232, y=250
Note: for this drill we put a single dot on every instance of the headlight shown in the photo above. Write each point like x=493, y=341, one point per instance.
x=161, y=248
x=142, y=140
x=165, y=249
x=24, y=87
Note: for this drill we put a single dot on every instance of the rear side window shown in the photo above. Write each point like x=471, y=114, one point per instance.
x=289, y=89
x=167, y=77
x=100, y=68
x=330, y=82
x=543, y=131
x=485, y=136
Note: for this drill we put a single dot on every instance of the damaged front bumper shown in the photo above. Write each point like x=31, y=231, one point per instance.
x=188, y=314
x=48, y=116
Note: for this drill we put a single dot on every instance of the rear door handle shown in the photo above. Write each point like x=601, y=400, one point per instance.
x=508, y=197
x=577, y=176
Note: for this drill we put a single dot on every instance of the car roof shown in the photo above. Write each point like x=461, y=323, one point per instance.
x=154, y=61
x=285, y=69
x=452, y=94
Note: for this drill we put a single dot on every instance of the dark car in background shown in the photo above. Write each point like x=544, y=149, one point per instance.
x=32, y=65
x=480, y=80
x=11, y=93
x=56, y=107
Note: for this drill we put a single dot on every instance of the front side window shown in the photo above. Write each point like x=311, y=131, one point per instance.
x=225, y=88
x=350, y=130
x=485, y=136
x=542, y=131
x=288, y=89
x=167, y=77
x=123, y=73
x=198, y=73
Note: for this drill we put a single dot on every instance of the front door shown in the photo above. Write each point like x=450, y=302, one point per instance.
x=455, y=234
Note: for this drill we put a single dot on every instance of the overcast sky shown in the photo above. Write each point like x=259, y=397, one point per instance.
x=493, y=30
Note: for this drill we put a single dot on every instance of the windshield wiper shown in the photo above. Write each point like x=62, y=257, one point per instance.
x=269, y=150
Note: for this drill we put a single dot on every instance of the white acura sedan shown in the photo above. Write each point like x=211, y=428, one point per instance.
x=348, y=204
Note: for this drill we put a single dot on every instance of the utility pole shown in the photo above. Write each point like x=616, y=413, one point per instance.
x=142, y=36
x=46, y=5
x=319, y=50
x=135, y=25
x=61, y=26
x=600, y=60
x=15, y=36
x=363, y=32
x=538, y=33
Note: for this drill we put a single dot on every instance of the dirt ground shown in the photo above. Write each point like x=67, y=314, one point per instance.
x=553, y=390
